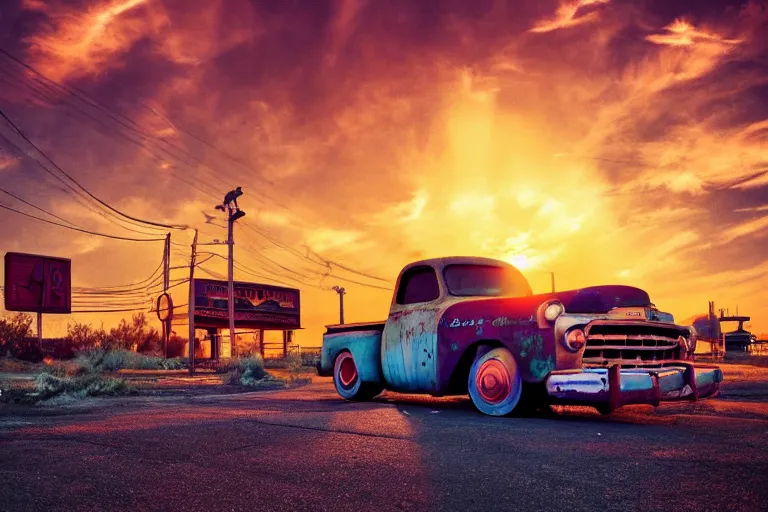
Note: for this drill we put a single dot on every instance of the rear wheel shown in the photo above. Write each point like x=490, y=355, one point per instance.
x=347, y=381
x=495, y=385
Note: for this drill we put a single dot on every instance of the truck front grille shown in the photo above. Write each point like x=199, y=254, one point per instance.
x=631, y=343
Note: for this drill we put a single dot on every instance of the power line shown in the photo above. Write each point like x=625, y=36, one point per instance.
x=150, y=288
x=325, y=275
x=252, y=272
x=323, y=261
x=203, y=141
x=77, y=196
x=149, y=301
x=133, y=284
x=155, y=283
x=133, y=126
x=106, y=205
x=135, y=303
x=146, y=310
x=213, y=274
x=348, y=269
x=83, y=230
x=34, y=206
x=46, y=211
x=144, y=137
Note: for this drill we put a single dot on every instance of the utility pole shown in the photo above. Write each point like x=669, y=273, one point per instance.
x=231, y=288
x=234, y=213
x=166, y=281
x=191, y=306
x=552, y=276
x=341, y=292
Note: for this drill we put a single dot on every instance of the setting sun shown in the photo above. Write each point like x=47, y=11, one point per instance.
x=558, y=145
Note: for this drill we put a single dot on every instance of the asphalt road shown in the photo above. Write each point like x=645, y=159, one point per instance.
x=305, y=449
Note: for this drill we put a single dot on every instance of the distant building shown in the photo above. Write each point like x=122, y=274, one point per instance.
x=740, y=339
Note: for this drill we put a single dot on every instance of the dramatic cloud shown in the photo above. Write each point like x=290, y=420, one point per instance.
x=602, y=141
x=569, y=14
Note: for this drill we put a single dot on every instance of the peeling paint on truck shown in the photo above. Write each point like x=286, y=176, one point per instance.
x=504, y=321
x=408, y=350
x=364, y=346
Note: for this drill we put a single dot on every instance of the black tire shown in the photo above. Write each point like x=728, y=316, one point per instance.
x=495, y=385
x=347, y=381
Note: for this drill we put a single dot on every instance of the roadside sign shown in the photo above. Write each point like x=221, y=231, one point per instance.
x=38, y=284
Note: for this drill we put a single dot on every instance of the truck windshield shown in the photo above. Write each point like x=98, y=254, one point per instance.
x=485, y=280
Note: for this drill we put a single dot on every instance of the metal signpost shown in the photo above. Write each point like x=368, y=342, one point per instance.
x=191, y=306
x=164, y=308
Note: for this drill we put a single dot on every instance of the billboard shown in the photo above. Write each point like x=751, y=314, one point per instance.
x=38, y=284
x=257, y=306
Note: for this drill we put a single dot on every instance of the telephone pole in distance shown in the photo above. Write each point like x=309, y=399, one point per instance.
x=191, y=306
x=341, y=291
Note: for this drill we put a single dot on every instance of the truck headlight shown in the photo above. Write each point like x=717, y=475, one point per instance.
x=575, y=340
x=547, y=312
x=554, y=310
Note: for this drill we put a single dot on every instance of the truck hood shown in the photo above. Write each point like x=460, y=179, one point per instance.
x=601, y=299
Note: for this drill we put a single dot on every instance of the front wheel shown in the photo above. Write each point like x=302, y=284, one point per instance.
x=347, y=381
x=495, y=385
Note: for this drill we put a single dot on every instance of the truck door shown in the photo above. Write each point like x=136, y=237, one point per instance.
x=409, y=340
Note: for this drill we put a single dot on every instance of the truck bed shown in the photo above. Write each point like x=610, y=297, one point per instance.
x=361, y=326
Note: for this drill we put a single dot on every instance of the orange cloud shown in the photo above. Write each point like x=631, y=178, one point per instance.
x=89, y=42
x=682, y=33
x=85, y=43
x=566, y=15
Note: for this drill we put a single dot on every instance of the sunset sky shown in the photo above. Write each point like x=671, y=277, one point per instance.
x=607, y=141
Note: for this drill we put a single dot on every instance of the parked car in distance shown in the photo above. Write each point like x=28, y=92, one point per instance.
x=468, y=325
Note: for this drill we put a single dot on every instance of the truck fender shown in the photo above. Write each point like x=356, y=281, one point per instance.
x=460, y=375
x=365, y=349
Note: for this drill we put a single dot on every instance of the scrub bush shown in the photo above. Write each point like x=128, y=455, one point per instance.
x=49, y=386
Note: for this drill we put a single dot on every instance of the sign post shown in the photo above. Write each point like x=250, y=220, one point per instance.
x=164, y=308
x=40, y=331
x=38, y=284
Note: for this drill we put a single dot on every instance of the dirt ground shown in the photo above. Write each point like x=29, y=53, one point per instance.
x=744, y=392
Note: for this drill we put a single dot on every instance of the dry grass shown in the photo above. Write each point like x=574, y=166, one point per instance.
x=291, y=362
x=736, y=358
x=112, y=361
x=10, y=365
x=49, y=386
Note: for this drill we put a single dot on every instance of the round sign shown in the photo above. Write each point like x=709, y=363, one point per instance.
x=164, y=307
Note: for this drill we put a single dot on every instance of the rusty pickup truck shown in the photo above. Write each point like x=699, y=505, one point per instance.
x=467, y=325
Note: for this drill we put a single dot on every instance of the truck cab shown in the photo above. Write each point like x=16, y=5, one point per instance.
x=469, y=325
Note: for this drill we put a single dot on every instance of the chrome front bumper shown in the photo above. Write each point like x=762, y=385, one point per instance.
x=613, y=387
